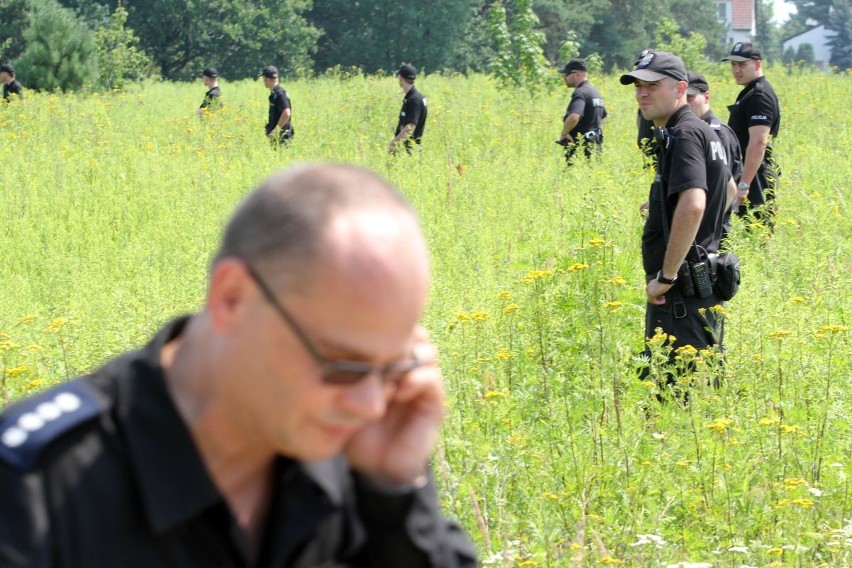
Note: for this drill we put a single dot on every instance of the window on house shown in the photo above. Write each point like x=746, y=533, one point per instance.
x=722, y=11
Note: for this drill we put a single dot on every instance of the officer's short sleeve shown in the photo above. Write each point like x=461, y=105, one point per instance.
x=412, y=111
x=689, y=166
x=577, y=104
x=761, y=110
x=24, y=522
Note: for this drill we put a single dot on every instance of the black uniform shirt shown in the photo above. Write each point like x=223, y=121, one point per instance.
x=690, y=156
x=211, y=98
x=13, y=88
x=756, y=105
x=413, y=112
x=102, y=472
x=278, y=102
x=587, y=102
x=733, y=155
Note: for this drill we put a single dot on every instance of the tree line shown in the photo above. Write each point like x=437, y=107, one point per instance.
x=67, y=44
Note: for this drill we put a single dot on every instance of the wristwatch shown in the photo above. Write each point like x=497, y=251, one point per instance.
x=663, y=280
x=742, y=186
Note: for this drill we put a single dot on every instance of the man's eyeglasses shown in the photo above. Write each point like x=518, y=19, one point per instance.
x=334, y=371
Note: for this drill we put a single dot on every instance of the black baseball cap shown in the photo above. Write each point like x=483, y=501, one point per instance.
x=697, y=83
x=743, y=51
x=656, y=66
x=407, y=72
x=270, y=72
x=575, y=64
x=209, y=72
x=7, y=68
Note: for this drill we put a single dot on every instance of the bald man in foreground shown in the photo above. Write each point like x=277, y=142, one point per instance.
x=288, y=423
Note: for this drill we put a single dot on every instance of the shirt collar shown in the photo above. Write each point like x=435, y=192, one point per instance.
x=678, y=115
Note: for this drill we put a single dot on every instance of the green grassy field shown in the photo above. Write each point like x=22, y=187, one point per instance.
x=553, y=453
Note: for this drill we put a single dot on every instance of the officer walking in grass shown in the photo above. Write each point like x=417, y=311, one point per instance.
x=412, y=116
x=755, y=118
x=210, y=78
x=11, y=86
x=581, y=124
x=279, y=125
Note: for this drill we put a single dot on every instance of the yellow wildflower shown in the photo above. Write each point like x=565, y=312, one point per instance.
x=511, y=308
x=833, y=328
x=534, y=275
x=616, y=280
x=462, y=317
x=550, y=496
x=478, y=316
x=683, y=463
x=797, y=300
x=791, y=429
x=27, y=319
x=596, y=242
x=494, y=394
x=614, y=306
x=780, y=334
x=575, y=546
x=503, y=354
x=610, y=560
x=804, y=502
x=56, y=325
x=578, y=266
x=769, y=421
x=504, y=295
x=16, y=371
x=528, y=563
x=720, y=425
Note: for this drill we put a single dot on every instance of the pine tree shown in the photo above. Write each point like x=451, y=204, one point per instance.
x=60, y=50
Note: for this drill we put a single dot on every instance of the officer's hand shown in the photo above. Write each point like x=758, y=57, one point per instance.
x=395, y=449
x=742, y=194
x=645, y=207
x=656, y=292
x=392, y=147
x=271, y=135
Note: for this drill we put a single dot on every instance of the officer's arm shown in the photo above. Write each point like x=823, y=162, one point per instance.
x=731, y=193
x=758, y=139
x=570, y=122
x=685, y=222
x=404, y=133
x=284, y=118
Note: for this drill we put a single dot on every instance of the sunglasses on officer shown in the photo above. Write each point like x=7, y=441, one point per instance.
x=334, y=371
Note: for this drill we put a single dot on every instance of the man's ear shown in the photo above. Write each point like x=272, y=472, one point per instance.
x=230, y=287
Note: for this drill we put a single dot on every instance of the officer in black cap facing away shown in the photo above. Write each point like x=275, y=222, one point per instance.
x=581, y=124
x=11, y=86
x=412, y=117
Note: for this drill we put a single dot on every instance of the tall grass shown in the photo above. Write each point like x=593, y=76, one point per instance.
x=553, y=453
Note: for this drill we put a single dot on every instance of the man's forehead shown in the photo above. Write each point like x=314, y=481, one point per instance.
x=641, y=83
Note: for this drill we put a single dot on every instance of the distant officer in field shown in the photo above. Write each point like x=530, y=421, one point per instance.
x=412, y=116
x=581, y=124
x=10, y=85
x=210, y=78
x=279, y=126
x=686, y=205
x=698, y=98
x=755, y=119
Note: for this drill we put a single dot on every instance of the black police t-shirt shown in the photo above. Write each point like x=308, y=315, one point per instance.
x=211, y=98
x=757, y=105
x=13, y=88
x=730, y=143
x=413, y=112
x=689, y=156
x=588, y=103
x=278, y=103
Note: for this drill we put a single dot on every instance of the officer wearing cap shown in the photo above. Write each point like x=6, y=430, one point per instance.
x=288, y=423
x=698, y=98
x=691, y=190
x=210, y=78
x=412, y=116
x=581, y=123
x=280, y=111
x=755, y=118
x=11, y=86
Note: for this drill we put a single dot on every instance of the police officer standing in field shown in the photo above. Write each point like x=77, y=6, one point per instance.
x=210, y=78
x=754, y=118
x=289, y=423
x=581, y=124
x=11, y=86
x=280, y=111
x=698, y=98
x=686, y=204
x=412, y=116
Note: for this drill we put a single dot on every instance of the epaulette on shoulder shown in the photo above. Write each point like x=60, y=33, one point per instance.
x=28, y=427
